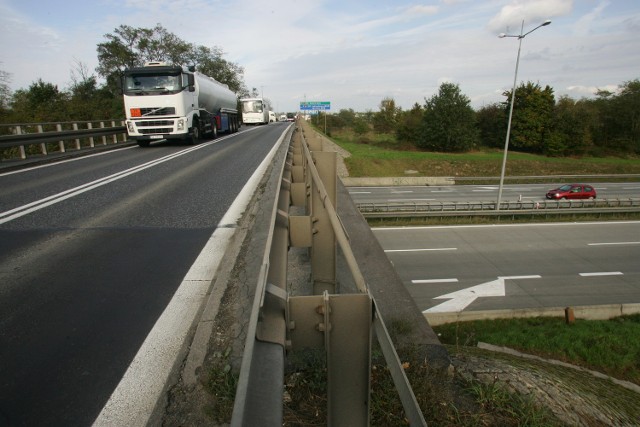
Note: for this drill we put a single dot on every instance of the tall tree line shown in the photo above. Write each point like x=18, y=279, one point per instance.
x=608, y=124
x=87, y=98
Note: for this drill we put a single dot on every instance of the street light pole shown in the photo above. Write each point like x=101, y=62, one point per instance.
x=513, y=96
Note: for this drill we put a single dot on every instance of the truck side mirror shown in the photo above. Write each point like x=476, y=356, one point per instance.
x=192, y=82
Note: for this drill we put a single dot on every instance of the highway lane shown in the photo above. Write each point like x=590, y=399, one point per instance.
x=466, y=193
x=91, y=252
x=491, y=267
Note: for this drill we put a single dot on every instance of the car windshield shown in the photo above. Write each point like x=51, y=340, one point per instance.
x=565, y=187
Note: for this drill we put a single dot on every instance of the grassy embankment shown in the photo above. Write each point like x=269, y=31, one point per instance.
x=380, y=156
x=608, y=346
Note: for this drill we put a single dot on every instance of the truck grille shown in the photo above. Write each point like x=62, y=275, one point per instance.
x=167, y=111
x=147, y=127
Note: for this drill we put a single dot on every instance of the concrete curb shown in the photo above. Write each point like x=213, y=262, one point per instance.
x=397, y=181
x=586, y=312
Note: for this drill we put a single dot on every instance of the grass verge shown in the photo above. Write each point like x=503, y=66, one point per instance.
x=608, y=346
x=378, y=158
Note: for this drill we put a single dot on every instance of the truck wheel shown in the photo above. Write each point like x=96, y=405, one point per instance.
x=214, y=130
x=195, y=133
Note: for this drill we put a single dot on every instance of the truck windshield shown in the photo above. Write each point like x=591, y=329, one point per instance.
x=144, y=83
x=252, y=106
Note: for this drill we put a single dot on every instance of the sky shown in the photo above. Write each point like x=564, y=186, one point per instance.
x=351, y=53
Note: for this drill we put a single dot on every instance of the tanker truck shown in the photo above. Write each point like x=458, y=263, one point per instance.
x=164, y=101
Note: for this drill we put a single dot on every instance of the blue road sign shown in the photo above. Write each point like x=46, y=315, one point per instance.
x=315, y=106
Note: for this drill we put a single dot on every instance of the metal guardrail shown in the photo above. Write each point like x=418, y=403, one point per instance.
x=435, y=209
x=342, y=324
x=24, y=135
x=547, y=178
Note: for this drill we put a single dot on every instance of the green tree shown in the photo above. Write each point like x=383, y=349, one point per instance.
x=492, y=125
x=130, y=47
x=625, y=118
x=449, y=121
x=42, y=102
x=409, y=127
x=571, y=129
x=5, y=94
x=348, y=116
x=532, y=119
x=384, y=121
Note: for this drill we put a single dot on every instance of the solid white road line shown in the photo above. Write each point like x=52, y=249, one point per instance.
x=422, y=281
x=72, y=192
x=603, y=273
x=410, y=200
x=421, y=250
x=75, y=159
x=613, y=243
x=135, y=397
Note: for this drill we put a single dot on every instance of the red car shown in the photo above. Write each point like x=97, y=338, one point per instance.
x=572, y=191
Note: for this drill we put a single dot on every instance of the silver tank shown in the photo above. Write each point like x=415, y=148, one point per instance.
x=213, y=95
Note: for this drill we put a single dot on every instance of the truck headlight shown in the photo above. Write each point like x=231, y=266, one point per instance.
x=131, y=127
x=180, y=124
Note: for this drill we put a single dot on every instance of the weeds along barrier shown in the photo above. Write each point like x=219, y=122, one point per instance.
x=19, y=141
x=341, y=324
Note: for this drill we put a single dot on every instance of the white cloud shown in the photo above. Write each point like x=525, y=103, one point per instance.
x=591, y=90
x=510, y=17
x=422, y=10
x=353, y=53
x=584, y=24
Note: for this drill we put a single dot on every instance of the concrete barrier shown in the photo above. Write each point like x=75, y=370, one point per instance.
x=586, y=312
x=399, y=181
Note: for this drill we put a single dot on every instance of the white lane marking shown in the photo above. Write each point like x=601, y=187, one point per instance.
x=410, y=200
x=422, y=281
x=72, y=192
x=421, y=250
x=613, y=243
x=602, y=273
x=133, y=400
x=631, y=188
x=459, y=300
x=75, y=159
x=359, y=192
x=442, y=191
x=482, y=191
x=400, y=192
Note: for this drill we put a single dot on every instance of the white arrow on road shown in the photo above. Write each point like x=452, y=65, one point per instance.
x=459, y=300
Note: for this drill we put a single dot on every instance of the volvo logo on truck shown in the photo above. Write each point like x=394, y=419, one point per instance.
x=165, y=101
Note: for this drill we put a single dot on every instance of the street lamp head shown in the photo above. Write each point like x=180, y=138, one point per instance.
x=502, y=35
x=545, y=23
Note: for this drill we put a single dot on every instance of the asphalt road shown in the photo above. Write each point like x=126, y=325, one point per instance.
x=491, y=267
x=92, y=251
x=466, y=193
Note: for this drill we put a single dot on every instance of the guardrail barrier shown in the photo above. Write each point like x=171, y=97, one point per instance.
x=24, y=136
x=488, y=208
x=343, y=324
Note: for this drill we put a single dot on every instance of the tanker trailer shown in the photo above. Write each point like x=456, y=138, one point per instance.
x=172, y=102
